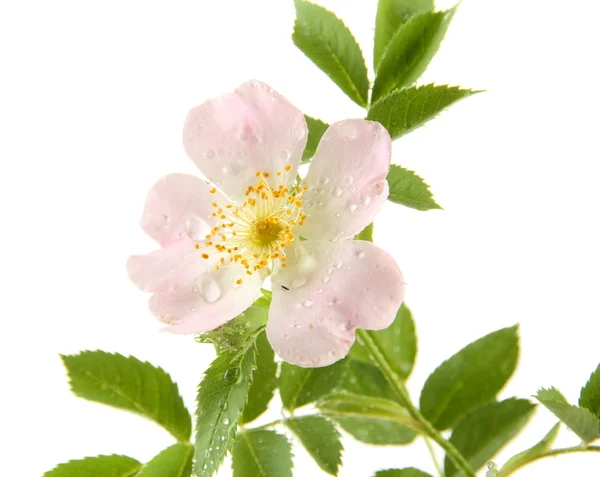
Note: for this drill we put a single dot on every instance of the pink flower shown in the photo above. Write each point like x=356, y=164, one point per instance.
x=221, y=240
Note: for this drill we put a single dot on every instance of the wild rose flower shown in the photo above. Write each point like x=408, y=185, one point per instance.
x=221, y=240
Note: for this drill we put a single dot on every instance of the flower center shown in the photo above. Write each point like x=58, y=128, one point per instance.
x=255, y=233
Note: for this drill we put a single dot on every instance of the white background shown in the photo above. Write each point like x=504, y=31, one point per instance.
x=92, y=101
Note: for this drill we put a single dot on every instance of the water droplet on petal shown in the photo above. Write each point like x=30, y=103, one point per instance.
x=346, y=326
x=348, y=131
x=320, y=291
x=298, y=282
x=319, y=190
x=307, y=303
x=324, y=180
x=350, y=180
x=210, y=153
x=208, y=288
x=336, y=264
x=366, y=199
x=326, y=279
x=351, y=207
x=337, y=191
x=232, y=169
x=285, y=155
x=360, y=254
x=196, y=228
x=254, y=139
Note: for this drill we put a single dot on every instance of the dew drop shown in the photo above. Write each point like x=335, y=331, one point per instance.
x=254, y=139
x=230, y=377
x=360, y=254
x=232, y=169
x=299, y=282
x=336, y=264
x=350, y=180
x=346, y=326
x=285, y=154
x=337, y=191
x=326, y=279
x=320, y=291
x=209, y=154
x=307, y=303
x=348, y=131
x=366, y=199
x=196, y=228
x=319, y=190
x=351, y=207
x=208, y=288
x=324, y=180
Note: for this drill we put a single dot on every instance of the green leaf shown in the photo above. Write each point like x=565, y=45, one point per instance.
x=262, y=454
x=364, y=378
x=408, y=189
x=236, y=333
x=391, y=14
x=410, y=51
x=132, y=385
x=299, y=386
x=316, y=129
x=405, y=110
x=321, y=439
x=590, y=394
x=324, y=38
x=174, y=461
x=580, y=420
x=482, y=433
x=398, y=343
x=408, y=472
x=222, y=395
x=470, y=378
x=523, y=458
x=100, y=466
x=264, y=380
x=371, y=420
x=365, y=234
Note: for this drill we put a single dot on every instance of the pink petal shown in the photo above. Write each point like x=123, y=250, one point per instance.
x=208, y=302
x=171, y=267
x=178, y=205
x=253, y=129
x=346, y=180
x=334, y=288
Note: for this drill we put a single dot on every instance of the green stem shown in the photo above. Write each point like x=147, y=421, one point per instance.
x=398, y=385
x=434, y=458
x=553, y=453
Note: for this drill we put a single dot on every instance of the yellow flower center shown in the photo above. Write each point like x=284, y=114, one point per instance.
x=255, y=233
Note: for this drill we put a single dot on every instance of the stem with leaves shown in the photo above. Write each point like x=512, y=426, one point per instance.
x=398, y=385
x=551, y=453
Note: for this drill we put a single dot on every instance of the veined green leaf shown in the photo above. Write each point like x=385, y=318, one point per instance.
x=222, y=395
x=590, y=394
x=316, y=129
x=408, y=472
x=264, y=380
x=368, y=419
x=324, y=38
x=398, y=343
x=523, y=458
x=410, y=51
x=299, y=386
x=482, y=433
x=262, y=454
x=100, y=466
x=581, y=421
x=405, y=110
x=391, y=14
x=408, y=189
x=321, y=439
x=174, y=461
x=364, y=378
x=234, y=334
x=470, y=378
x=132, y=385
x=365, y=234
